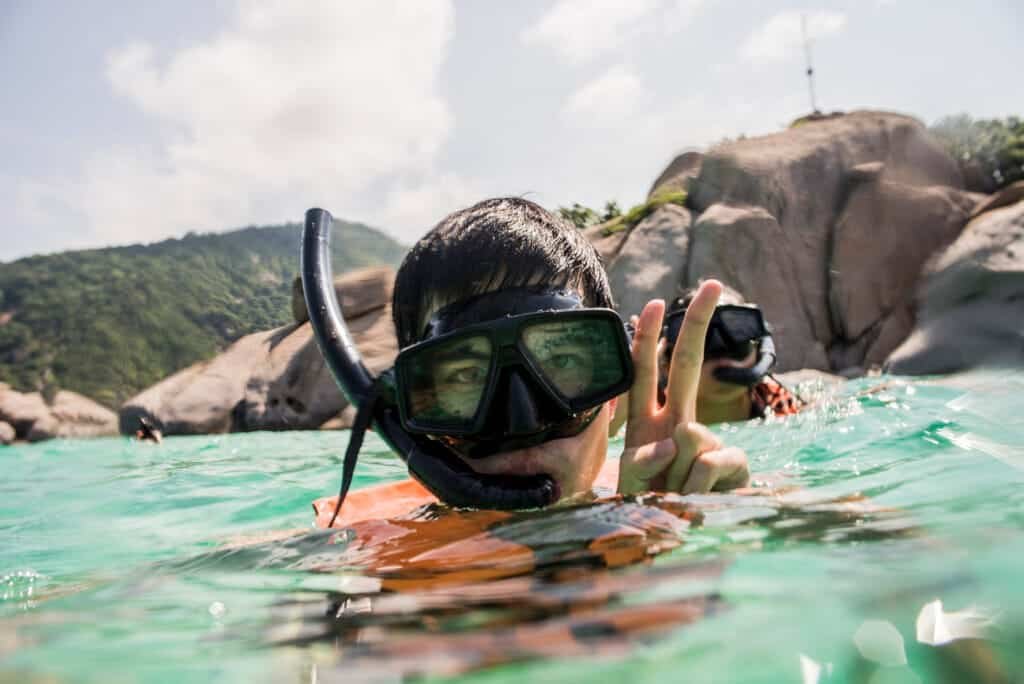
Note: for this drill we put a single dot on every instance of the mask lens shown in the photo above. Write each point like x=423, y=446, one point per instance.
x=741, y=324
x=734, y=333
x=580, y=358
x=447, y=381
x=716, y=346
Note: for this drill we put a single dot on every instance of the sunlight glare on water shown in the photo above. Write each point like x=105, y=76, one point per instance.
x=131, y=562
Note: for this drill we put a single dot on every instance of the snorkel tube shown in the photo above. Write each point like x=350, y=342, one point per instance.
x=748, y=377
x=431, y=463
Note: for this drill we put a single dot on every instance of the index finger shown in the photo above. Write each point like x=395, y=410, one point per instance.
x=688, y=355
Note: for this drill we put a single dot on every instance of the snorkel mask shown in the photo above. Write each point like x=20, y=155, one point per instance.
x=511, y=369
x=734, y=332
x=494, y=373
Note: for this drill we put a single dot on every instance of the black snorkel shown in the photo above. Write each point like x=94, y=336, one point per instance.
x=431, y=463
x=748, y=377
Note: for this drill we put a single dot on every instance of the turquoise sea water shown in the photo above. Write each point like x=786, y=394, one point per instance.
x=119, y=560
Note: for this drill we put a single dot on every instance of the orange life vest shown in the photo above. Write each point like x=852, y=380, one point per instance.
x=769, y=398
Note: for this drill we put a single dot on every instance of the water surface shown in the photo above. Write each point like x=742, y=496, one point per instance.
x=130, y=562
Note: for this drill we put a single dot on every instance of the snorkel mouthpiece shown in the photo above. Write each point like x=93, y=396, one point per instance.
x=431, y=463
x=748, y=377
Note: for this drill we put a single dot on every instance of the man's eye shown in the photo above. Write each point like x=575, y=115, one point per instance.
x=565, y=361
x=466, y=375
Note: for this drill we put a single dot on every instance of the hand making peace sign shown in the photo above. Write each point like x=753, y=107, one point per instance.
x=666, y=448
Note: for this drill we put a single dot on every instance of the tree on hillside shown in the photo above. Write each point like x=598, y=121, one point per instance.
x=109, y=322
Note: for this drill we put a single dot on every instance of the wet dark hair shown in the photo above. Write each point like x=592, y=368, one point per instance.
x=493, y=245
x=729, y=296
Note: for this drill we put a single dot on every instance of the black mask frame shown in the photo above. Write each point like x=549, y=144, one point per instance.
x=510, y=353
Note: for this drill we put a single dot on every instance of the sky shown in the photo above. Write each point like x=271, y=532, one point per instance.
x=126, y=122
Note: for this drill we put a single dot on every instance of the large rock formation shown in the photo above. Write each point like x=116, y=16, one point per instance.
x=881, y=240
x=971, y=300
x=290, y=386
x=276, y=379
x=21, y=410
x=826, y=225
x=69, y=414
x=359, y=292
x=678, y=174
x=202, y=398
x=651, y=260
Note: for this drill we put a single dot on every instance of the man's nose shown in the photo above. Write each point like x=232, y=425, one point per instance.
x=523, y=417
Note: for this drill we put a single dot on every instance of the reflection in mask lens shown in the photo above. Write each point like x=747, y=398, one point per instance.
x=579, y=358
x=448, y=380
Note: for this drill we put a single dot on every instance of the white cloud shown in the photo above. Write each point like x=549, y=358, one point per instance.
x=679, y=14
x=581, y=30
x=782, y=36
x=607, y=100
x=293, y=104
x=422, y=203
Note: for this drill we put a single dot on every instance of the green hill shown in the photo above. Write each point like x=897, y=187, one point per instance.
x=110, y=322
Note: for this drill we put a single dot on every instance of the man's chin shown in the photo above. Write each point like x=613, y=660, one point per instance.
x=572, y=462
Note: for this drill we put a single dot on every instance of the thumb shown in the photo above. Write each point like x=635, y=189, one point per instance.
x=640, y=466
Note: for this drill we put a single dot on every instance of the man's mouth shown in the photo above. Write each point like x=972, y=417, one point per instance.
x=520, y=462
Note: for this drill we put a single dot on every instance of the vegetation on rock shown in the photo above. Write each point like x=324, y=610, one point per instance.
x=993, y=147
x=584, y=217
x=641, y=211
x=613, y=218
x=108, y=323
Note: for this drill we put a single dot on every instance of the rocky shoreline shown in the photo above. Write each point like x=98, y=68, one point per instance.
x=855, y=233
x=33, y=417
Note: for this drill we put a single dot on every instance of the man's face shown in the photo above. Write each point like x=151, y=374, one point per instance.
x=573, y=462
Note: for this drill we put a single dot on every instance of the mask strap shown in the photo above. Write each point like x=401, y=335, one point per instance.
x=364, y=416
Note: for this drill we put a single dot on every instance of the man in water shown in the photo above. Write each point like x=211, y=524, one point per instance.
x=147, y=432
x=732, y=387
x=511, y=362
x=735, y=378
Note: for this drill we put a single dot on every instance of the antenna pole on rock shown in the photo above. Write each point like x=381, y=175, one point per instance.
x=810, y=64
